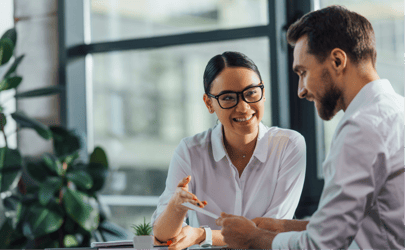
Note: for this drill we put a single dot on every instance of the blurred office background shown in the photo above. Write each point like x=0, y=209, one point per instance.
x=133, y=75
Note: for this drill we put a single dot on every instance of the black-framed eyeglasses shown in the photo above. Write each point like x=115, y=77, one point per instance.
x=230, y=99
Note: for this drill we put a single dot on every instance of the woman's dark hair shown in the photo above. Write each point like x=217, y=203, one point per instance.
x=224, y=60
x=335, y=27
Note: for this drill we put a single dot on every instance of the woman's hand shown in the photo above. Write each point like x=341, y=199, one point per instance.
x=183, y=195
x=188, y=236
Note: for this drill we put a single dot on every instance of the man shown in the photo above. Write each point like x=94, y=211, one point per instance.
x=363, y=196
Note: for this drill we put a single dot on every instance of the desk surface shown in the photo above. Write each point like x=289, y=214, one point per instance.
x=130, y=248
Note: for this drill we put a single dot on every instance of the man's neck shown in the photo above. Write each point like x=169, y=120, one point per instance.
x=356, y=78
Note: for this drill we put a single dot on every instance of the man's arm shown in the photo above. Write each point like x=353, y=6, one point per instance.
x=279, y=226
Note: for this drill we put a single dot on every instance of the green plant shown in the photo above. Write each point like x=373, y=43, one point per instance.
x=61, y=209
x=143, y=228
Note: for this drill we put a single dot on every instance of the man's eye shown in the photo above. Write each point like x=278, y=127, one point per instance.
x=303, y=73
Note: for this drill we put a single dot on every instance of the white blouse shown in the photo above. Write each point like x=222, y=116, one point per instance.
x=270, y=185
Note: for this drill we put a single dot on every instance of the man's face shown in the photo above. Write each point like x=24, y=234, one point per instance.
x=315, y=81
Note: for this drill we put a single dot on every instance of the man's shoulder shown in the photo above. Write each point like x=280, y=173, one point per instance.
x=381, y=119
x=381, y=111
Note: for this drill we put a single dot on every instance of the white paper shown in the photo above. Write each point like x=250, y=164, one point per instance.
x=198, y=209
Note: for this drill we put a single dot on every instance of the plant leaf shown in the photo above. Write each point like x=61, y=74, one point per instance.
x=99, y=156
x=25, y=122
x=70, y=241
x=81, y=208
x=10, y=34
x=48, y=189
x=41, y=221
x=6, y=231
x=10, y=168
x=80, y=178
x=37, y=169
x=71, y=158
x=65, y=142
x=99, y=174
x=41, y=92
x=53, y=164
x=13, y=66
x=3, y=120
x=10, y=83
x=6, y=50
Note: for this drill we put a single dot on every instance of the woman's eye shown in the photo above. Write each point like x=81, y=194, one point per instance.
x=228, y=98
x=303, y=73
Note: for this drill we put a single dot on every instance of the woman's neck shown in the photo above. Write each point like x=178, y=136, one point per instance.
x=240, y=145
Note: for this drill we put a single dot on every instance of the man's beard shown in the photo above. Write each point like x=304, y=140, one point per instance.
x=329, y=101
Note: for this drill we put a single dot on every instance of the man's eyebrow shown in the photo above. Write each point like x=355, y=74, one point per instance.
x=228, y=91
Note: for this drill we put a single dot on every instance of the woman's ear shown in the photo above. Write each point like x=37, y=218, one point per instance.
x=208, y=103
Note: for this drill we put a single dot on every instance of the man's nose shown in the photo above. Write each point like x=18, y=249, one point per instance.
x=302, y=91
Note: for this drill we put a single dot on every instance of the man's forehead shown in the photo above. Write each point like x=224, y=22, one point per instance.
x=300, y=49
x=301, y=46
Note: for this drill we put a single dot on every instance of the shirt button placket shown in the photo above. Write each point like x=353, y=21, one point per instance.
x=238, y=202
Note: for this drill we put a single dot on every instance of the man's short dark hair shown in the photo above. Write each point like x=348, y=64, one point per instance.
x=335, y=27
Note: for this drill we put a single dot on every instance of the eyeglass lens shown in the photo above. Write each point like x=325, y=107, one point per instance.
x=229, y=100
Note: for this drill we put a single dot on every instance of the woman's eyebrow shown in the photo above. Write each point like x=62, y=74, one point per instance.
x=228, y=91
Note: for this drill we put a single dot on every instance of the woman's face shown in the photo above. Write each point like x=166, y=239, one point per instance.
x=236, y=79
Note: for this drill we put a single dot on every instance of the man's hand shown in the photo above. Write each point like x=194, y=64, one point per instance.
x=273, y=225
x=188, y=236
x=237, y=230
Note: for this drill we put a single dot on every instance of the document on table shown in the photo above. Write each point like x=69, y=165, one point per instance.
x=198, y=209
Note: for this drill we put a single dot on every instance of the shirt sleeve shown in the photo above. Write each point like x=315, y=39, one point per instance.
x=290, y=180
x=178, y=169
x=355, y=165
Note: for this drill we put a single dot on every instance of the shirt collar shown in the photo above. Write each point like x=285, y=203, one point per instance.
x=218, y=147
x=366, y=94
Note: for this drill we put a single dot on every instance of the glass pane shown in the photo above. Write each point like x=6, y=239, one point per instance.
x=125, y=19
x=146, y=101
x=387, y=18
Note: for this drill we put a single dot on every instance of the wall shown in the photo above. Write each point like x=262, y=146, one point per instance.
x=37, y=29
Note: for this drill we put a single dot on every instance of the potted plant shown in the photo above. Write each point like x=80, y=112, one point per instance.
x=143, y=238
x=61, y=207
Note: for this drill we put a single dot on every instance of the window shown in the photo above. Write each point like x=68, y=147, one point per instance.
x=146, y=100
x=126, y=19
x=387, y=18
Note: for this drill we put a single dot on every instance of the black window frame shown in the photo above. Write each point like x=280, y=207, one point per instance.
x=287, y=110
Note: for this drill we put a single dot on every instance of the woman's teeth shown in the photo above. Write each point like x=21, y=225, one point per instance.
x=243, y=120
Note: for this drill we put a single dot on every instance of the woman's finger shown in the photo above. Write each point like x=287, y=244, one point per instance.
x=184, y=181
x=189, y=197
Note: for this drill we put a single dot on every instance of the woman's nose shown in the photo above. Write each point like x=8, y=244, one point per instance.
x=242, y=105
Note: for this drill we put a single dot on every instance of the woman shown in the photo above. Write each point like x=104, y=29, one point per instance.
x=240, y=166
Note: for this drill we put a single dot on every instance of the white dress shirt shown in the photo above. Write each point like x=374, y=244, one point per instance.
x=363, y=197
x=270, y=185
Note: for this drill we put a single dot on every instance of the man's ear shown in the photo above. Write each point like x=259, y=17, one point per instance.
x=208, y=103
x=339, y=60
